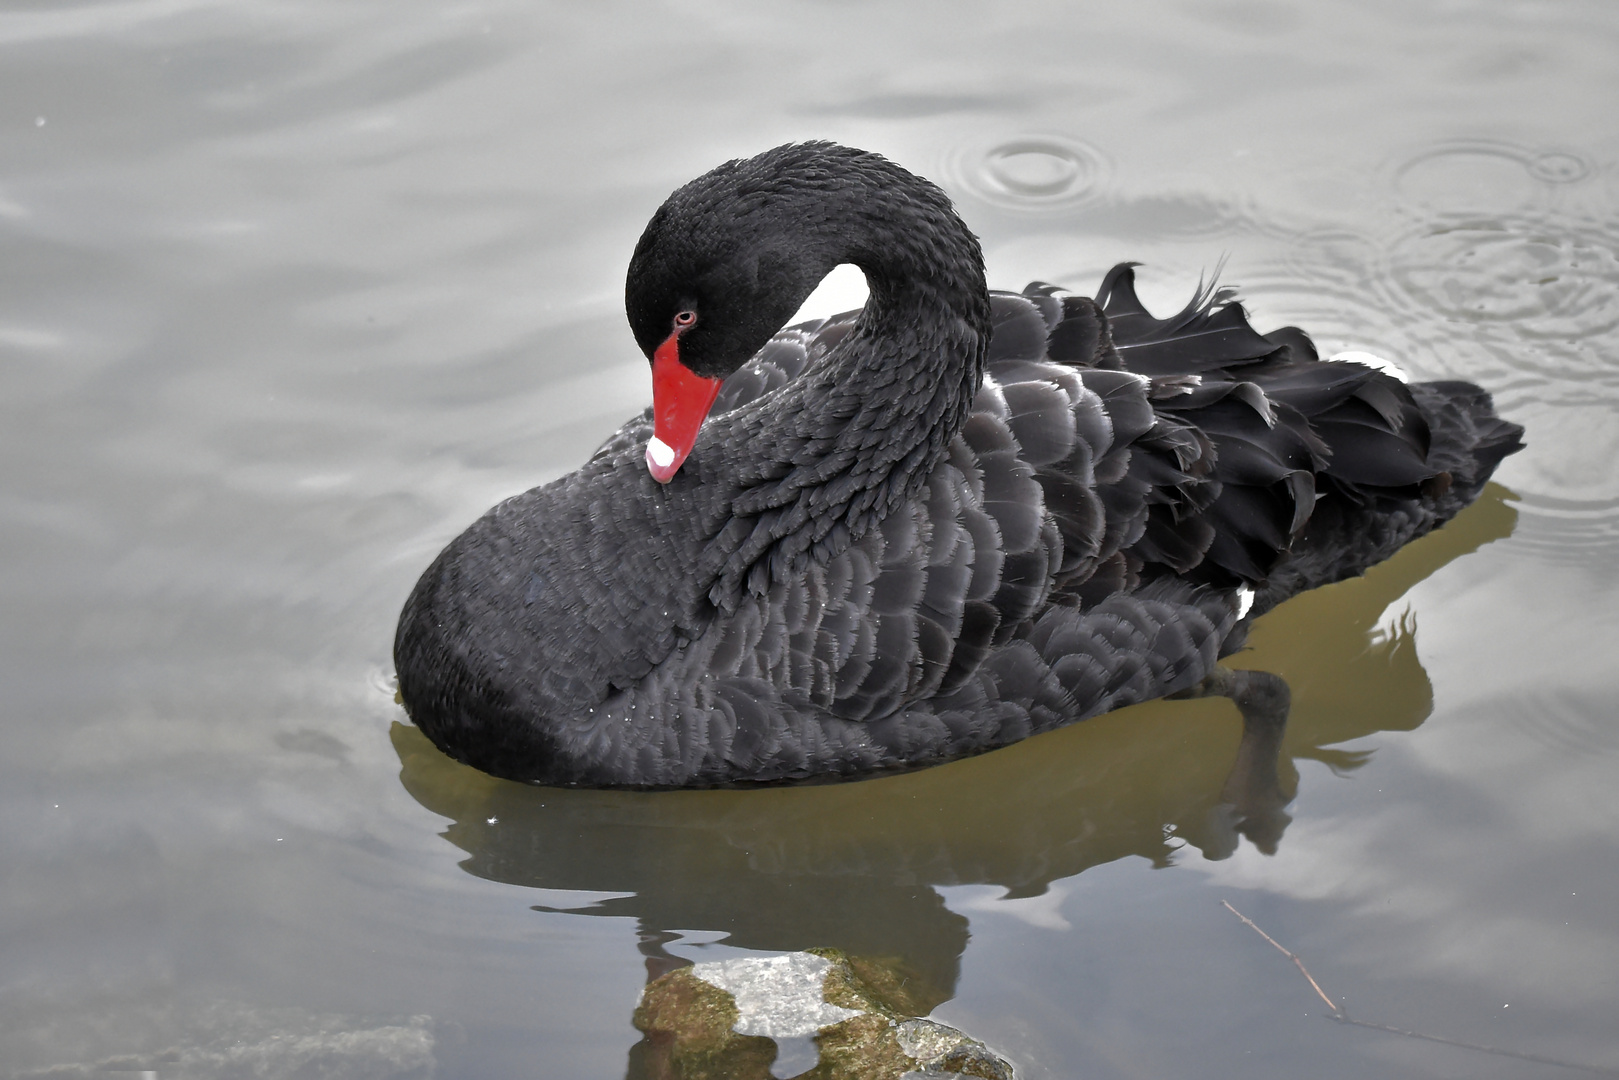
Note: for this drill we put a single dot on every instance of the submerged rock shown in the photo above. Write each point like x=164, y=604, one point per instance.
x=820, y=1015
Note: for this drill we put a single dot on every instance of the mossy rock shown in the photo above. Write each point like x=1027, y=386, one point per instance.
x=689, y=1023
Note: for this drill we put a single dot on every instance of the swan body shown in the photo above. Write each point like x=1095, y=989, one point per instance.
x=915, y=532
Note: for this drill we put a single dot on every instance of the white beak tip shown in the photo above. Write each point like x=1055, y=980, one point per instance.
x=661, y=460
x=659, y=453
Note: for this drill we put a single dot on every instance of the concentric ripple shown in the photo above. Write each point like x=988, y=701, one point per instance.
x=1536, y=292
x=1569, y=532
x=1502, y=269
x=1548, y=279
x=1559, y=167
x=1513, y=251
x=1032, y=172
x=1484, y=175
x=1527, y=303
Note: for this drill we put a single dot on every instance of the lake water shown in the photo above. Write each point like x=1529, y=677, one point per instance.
x=292, y=291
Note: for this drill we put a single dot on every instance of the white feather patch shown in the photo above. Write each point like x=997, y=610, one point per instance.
x=844, y=289
x=1245, y=602
x=1376, y=363
x=991, y=397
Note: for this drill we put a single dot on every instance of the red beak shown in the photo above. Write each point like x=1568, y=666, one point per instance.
x=680, y=404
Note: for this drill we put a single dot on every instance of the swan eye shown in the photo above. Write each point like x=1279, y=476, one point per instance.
x=684, y=320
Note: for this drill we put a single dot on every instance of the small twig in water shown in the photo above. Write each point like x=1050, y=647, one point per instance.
x=1482, y=1049
x=1343, y=1017
x=1296, y=961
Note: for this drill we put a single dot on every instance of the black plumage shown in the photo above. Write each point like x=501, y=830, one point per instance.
x=926, y=529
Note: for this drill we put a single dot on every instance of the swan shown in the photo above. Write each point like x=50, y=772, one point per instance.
x=926, y=529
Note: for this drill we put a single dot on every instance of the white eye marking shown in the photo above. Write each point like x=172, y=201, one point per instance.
x=1376, y=363
x=660, y=452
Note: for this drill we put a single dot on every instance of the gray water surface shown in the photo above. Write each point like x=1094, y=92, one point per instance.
x=290, y=292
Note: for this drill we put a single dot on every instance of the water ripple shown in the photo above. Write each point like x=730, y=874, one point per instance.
x=1031, y=172
x=1568, y=722
x=1553, y=280
x=1522, y=299
x=1569, y=532
x=1517, y=256
x=1486, y=175
x=1558, y=167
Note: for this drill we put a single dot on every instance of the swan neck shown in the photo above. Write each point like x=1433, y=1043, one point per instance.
x=860, y=433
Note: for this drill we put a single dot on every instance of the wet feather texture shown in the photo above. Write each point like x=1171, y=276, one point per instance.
x=919, y=531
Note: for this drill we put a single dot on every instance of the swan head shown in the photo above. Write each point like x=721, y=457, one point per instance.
x=722, y=266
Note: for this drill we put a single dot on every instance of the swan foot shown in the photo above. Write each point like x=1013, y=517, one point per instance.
x=1252, y=802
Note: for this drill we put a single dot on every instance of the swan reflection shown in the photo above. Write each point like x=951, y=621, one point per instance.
x=854, y=866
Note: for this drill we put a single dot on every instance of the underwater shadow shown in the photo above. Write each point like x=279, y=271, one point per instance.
x=853, y=866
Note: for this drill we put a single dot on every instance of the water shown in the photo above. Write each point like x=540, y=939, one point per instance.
x=293, y=291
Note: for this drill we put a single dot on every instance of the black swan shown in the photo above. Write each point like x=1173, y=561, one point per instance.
x=923, y=530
